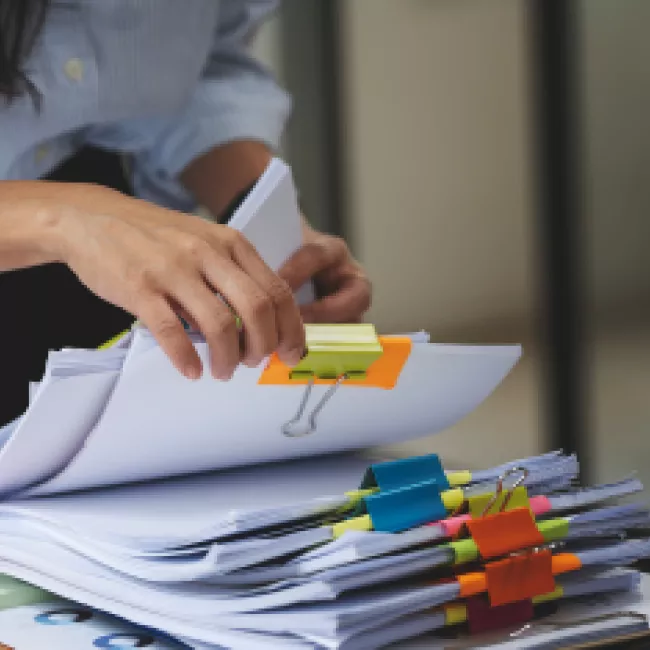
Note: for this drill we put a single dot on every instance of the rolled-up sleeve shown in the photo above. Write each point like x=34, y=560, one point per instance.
x=236, y=99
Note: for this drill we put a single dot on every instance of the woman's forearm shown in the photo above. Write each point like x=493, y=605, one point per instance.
x=217, y=177
x=29, y=223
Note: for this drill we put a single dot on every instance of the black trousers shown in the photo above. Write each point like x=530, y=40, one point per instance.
x=46, y=308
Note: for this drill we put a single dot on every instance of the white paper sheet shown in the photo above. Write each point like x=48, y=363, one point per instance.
x=270, y=219
x=159, y=424
x=189, y=510
x=59, y=418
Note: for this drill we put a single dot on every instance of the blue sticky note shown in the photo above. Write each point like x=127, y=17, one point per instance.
x=395, y=474
x=393, y=511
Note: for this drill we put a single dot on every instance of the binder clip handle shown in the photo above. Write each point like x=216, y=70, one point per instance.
x=291, y=428
x=499, y=491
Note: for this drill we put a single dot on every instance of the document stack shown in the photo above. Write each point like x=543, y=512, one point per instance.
x=139, y=509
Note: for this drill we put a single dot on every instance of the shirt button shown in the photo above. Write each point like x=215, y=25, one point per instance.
x=41, y=153
x=74, y=69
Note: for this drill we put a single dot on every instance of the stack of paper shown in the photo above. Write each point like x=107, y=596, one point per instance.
x=181, y=507
x=190, y=558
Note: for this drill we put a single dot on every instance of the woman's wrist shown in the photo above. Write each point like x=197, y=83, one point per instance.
x=32, y=223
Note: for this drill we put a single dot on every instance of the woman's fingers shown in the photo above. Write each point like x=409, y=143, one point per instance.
x=249, y=302
x=163, y=266
x=217, y=324
x=161, y=320
x=276, y=295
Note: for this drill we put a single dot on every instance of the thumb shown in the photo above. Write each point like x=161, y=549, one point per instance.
x=301, y=267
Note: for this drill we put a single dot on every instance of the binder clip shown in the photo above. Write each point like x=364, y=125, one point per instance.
x=527, y=568
x=526, y=571
x=393, y=511
x=520, y=577
x=488, y=529
x=395, y=474
x=336, y=354
x=472, y=507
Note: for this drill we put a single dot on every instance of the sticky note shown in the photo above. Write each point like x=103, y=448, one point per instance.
x=362, y=523
x=553, y=529
x=455, y=614
x=478, y=503
x=465, y=550
x=457, y=479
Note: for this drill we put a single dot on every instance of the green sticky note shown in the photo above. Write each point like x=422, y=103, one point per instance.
x=14, y=593
x=478, y=503
x=465, y=550
x=553, y=529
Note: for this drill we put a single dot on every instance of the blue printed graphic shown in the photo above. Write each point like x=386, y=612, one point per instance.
x=124, y=641
x=67, y=616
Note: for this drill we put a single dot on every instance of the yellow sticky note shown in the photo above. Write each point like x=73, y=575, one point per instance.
x=356, y=495
x=553, y=595
x=478, y=503
x=456, y=479
x=113, y=341
x=455, y=613
x=363, y=523
x=452, y=499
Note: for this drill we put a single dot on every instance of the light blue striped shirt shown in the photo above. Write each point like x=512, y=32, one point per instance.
x=160, y=80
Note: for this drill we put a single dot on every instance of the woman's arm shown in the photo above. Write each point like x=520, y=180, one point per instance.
x=157, y=264
x=29, y=227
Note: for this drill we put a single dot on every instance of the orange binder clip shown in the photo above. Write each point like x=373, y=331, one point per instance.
x=527, y=573
x=520, y=577
x=506, y=531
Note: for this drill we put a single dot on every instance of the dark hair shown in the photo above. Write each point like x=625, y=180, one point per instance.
x=20, y=24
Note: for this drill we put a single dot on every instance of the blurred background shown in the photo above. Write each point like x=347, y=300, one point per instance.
x=489, y=163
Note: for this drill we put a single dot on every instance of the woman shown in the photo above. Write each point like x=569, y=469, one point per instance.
x=170, y=84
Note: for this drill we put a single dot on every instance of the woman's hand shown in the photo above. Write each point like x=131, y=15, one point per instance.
x=343, y=289
x=159, y=265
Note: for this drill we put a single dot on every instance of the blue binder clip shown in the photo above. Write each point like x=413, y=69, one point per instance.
x=395, y=474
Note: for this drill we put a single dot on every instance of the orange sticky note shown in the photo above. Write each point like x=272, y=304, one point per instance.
x=565, y=562
x=520, y=577
x=383, y=373
x=471, y=584
x=505, y=532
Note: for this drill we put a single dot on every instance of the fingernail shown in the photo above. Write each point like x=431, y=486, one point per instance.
x=222, y=375
x=295, y=356
x=193, y=372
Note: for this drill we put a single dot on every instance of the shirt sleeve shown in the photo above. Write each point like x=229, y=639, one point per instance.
x=236, y=99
